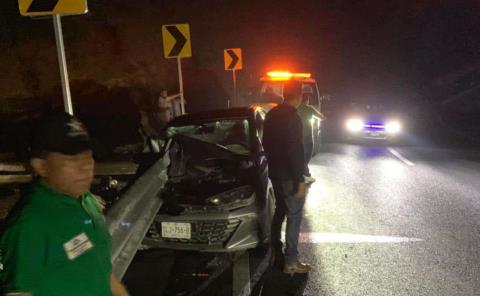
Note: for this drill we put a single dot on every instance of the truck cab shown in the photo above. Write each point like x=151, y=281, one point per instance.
x=271, y=94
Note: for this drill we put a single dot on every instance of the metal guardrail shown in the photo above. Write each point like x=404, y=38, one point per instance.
x=130, y=218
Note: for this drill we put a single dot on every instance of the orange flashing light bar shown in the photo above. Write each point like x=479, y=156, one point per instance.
x=281, y=75
x=255, y=107
x=264, y=106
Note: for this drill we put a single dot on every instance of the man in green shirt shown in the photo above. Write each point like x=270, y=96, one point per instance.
x=306, y=113
x=56, y=242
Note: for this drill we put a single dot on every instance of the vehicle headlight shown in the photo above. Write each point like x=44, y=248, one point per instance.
x=393, y=127
x=354, y=125
x=238, y=195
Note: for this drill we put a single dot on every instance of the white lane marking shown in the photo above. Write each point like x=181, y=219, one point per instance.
x=262, y=267
x=399, y=156
x=348, y=238
x=241, y=275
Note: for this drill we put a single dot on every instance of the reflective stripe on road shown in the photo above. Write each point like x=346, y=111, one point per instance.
x=400, y=157
x=348, y=238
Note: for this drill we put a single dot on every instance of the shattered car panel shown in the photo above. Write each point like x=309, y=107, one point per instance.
x=232, y=135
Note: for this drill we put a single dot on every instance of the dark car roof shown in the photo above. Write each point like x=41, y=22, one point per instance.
x=212, y=115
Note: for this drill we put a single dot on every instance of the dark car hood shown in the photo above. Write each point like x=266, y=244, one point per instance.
x=375, y=118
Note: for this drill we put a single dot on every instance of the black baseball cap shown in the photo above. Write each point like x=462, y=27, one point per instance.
x=59, y=132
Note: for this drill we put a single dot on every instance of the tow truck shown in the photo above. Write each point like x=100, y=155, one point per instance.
x=271, y=94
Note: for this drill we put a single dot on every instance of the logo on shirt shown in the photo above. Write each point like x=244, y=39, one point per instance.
x=77, y=246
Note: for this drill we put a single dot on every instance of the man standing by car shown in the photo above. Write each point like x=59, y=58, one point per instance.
x=307, y=114
x=282, y=140
x=56, y=241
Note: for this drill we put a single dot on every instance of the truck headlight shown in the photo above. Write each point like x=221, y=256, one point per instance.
x=354, y=125
x=393, y=127
x=240, y=195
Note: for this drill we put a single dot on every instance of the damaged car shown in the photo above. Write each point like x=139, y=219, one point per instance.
x=218, y=197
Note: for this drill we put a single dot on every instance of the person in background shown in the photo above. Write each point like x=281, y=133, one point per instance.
x=167, y=106
x=307, y=114
x=56, y=241
x=282, y=141
x=152, y=127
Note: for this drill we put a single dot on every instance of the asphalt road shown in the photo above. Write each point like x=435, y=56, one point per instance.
x=380, y=220
x=393, y=221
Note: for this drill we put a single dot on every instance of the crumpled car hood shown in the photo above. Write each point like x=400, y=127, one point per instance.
x=199, y=170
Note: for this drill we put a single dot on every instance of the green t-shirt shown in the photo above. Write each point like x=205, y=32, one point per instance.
x=56, y=245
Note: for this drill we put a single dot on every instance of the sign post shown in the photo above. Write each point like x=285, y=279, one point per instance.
x=62, y=62
x=180, y=84
x=177, y=44
x=233, y=62
x=234, y=77
x=56, y=8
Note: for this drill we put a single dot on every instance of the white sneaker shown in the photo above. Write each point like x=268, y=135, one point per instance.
x=309, y=179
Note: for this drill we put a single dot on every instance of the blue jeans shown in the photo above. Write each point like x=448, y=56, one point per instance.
x=291, y=207
x=308, y=149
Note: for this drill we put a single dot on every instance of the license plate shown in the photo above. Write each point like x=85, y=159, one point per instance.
x=176, y=230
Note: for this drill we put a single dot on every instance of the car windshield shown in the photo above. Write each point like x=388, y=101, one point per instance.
x=231, y=134
x=373, y=108
x=273, y=92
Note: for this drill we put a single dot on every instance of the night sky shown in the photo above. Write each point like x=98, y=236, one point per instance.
x=388, y=50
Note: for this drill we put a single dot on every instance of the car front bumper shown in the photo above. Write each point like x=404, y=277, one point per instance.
x=212, y=230
x=373, y=134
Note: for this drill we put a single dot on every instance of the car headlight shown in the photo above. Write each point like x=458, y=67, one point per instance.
x=393, y=127
x=238, y=195
x=354, y=125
